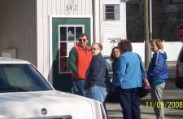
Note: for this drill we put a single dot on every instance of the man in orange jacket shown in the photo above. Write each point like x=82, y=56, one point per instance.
x=79, y=59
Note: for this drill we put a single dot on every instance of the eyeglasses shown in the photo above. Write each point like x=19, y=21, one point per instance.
x=95, y=48
x=82, y=40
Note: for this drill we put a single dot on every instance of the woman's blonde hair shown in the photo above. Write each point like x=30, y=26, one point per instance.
x=158, y=43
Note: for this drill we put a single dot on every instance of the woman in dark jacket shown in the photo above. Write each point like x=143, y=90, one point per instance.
x=115, y=53
x=97, y=78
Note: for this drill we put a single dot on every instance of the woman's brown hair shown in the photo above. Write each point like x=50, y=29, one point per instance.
x=112, y=58
x=125, y=45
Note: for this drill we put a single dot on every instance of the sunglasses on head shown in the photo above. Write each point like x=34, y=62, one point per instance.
x=82, y=40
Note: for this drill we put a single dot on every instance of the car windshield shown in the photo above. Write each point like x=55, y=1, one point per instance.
x=21, y=78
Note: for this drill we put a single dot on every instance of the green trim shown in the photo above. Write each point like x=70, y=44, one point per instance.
x=63, y=81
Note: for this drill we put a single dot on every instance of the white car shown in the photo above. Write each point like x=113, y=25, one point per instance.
x=179, y=70
x=25, y=94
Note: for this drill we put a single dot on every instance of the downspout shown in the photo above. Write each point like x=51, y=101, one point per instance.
x=101, y=9
x=97, y=29
x=93, y=13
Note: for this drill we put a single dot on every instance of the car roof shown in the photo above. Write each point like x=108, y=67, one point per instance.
x=5, y=60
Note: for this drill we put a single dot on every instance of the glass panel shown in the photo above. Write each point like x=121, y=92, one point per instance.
x=109, y=12
x=109, y=8
x=117, y=13
x=108, y=63
x=70, y=34
x=17, y=72
x=63, y=49
x=63, y=64
x=79, y=30
x=63, y=35
x=70, y=45
x=109, y=15
x=21, y=78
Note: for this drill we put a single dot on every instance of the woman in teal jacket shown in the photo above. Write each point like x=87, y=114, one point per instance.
x=128, y=78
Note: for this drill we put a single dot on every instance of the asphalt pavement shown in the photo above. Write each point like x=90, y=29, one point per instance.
x=173, y=98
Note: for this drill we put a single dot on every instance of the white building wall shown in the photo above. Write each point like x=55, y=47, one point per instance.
x=18, y=28
x=171, y=48
x=47, y=8
x=113, y=30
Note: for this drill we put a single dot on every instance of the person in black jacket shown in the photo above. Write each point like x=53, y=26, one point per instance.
x=97, y=78
x=115, y=53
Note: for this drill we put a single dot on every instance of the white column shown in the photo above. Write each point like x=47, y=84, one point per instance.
x=96, y=21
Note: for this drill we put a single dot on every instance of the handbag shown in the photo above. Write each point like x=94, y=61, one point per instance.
x=145, y=89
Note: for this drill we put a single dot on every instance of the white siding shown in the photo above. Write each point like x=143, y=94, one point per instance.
x=171, y=48
x=114, y=29
x=18, y=28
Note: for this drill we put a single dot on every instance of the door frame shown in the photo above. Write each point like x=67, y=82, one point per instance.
x=51, y=17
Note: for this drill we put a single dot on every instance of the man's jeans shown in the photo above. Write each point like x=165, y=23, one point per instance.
x=78, y=86
x=98, y=93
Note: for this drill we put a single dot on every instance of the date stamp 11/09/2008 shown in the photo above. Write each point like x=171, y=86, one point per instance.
x=171, y=104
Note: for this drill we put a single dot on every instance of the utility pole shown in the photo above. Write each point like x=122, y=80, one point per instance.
x=148, y=28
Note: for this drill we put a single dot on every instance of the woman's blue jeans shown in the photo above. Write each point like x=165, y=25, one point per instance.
x=130, y=103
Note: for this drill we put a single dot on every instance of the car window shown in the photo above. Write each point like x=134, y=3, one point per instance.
x=15, y=75
x=109, y=64
x=20, y=78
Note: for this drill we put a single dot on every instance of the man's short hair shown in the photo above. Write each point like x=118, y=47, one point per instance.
x=82, y=35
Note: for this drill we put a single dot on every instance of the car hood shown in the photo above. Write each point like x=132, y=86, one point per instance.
x=44, y=104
